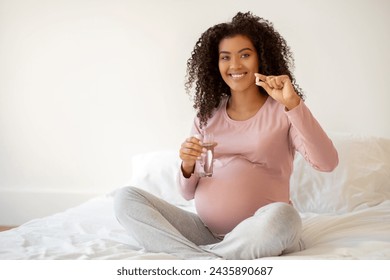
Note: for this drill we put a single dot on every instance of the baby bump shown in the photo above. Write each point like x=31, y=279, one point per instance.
x=235, y=191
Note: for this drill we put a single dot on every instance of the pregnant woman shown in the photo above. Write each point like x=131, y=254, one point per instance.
x=246, y=96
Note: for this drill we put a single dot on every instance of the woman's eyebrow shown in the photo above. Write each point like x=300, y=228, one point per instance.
x=240, y=51
x=245, y=49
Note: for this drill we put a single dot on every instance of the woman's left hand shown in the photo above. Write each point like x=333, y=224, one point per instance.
x=280, y=89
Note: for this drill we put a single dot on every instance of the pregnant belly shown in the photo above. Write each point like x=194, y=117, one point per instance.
x=235, y=192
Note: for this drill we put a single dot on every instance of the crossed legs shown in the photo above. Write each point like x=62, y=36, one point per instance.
x=162, y=227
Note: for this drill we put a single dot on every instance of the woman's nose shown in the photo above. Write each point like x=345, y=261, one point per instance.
x=235, y=63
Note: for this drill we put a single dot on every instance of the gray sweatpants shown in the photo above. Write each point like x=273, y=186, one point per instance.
x=159, y=226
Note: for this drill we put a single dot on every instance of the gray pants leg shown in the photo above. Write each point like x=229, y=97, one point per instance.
x=162, y=227
x=273, y=230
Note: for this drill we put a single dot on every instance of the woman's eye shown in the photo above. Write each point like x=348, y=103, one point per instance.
x=224, y=57
x=245, y=55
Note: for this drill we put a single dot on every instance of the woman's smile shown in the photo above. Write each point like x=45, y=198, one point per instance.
x=237, y=76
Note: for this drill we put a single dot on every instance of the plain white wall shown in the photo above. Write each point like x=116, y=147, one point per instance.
x=85, y=84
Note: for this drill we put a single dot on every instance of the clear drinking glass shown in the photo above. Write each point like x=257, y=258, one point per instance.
x=208, y=157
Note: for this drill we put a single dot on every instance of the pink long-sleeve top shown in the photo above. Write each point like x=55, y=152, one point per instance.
x=254, y=161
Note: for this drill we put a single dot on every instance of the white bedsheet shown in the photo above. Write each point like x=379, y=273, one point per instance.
x=90, y=231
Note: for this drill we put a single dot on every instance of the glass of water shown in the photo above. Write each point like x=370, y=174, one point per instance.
x=208, y=158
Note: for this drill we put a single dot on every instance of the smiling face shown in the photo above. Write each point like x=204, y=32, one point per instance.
x=238, y=62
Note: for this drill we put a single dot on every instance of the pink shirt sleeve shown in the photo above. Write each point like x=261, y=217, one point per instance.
x=187, y=186
x=310, y=140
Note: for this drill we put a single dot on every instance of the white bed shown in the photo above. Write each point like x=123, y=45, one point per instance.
x=346, y=213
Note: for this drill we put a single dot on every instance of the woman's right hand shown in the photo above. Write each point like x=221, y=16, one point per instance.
x=190, y=151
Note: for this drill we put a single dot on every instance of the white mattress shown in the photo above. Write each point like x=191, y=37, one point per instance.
x=90, y=231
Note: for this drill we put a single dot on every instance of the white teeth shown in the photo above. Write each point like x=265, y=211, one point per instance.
x=237, y=76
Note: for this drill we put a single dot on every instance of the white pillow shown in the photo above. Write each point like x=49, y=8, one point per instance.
x=156, y=172
x=362, y=178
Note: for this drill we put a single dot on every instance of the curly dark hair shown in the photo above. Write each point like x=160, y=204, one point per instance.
x=275, y=58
